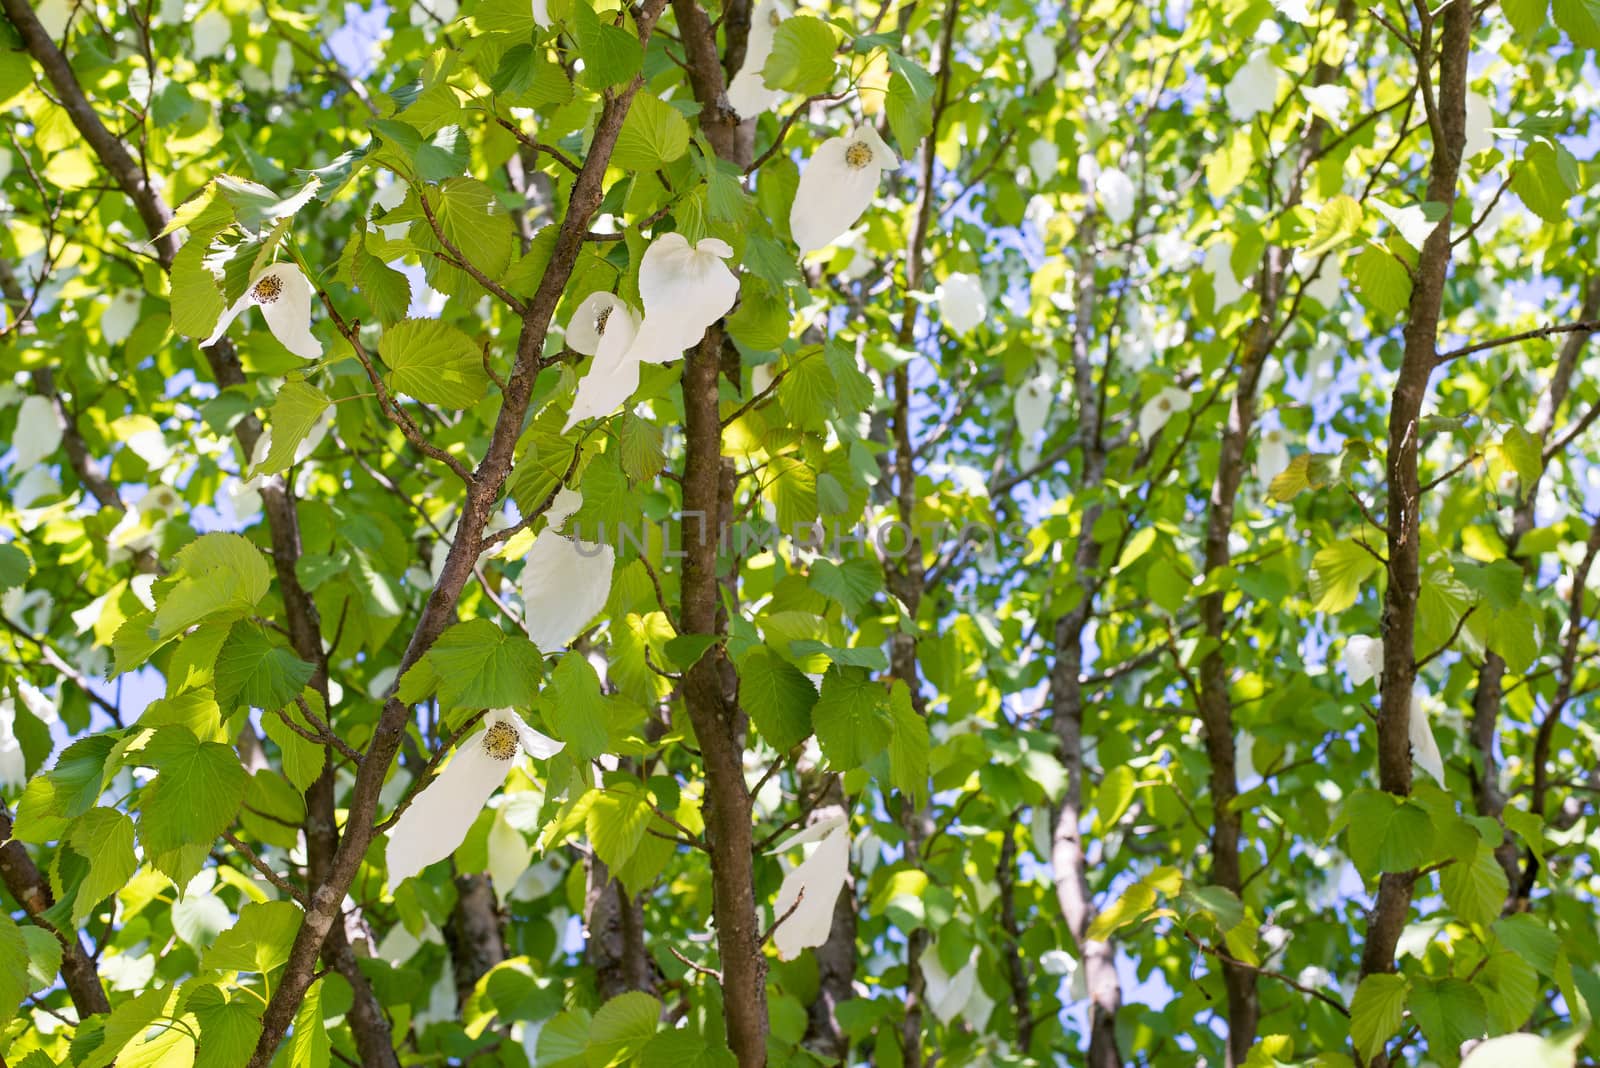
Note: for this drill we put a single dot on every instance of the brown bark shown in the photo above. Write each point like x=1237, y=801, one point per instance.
x=1005, y=878
x=1448, y=121
x=473, y=933
x=615, y=948
x=1487, y=796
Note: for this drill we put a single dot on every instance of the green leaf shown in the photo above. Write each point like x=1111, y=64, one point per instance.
x=1337, y=222
x=801, y=60
x=13, y=968
x=1337, y=572
x=1134, y=904
x=909, y=103
x=1385, y=833
x=15, y=567
x=622, y=1027
x=611, y=54
x=641, y=444
x=477, y=225
x=255, y=668
x=216, y=575
x=909, y=746
x=44, y=959
x=1581, y=21
x=309, y=1045
x=1376, y=1012
x=303, y=759
x=852, y=583
x=1528, y=937
x=852, y=724
x=433, y=362
x=778, y=697
x=1527, y=17
x=616, y=823
x=1111, y=801
x=1476, y=889
x=104, y=837
x=228, y=1029
x=298, y=407
x=387, y=290
x=259, y=942
x=196, y=794
x=481, y=666
x=1547, y=176
x=578, y=713
x=653, y=135
x=1382, y=281
x=1449, y=1011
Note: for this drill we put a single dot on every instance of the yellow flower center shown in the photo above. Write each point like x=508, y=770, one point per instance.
x=1164, y=404
x=601, y=317
x=773, y=18
x=500, y=741
x=858, y=154
x=267, y=289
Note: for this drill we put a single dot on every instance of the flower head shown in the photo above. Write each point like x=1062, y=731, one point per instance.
x=1160, y=408
x=1040, y=48
x=1272, y=456
x=38, y=432
x=1116, y=194
x=838, y=182
x=440, y=816
x=1031, y=405
x=804, y=909
x=748, y=94
x=1254, y=88
x=1424, y=749
x=284, y=296
x=604, y=327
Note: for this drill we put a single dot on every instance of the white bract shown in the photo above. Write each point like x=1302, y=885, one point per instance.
x=748, y=94
x=1224, y=283
x=1424, y=749
x=212, y=32
x=1363, y=659
x=1044, y=159
x=812, y=888
x=1480, y=125
x=1272, y=456
x=962, y=302
x=685, y=288
x=121, y=315
x=1411, y=221
x=836, y=186
x=1254, y=88
x=1520, y=1051
x=13, y=766
x=1040, y=48
x=1031, y=405
x=604, y=327
x=38, y=432
x=565, y=582
x=948, y=994
x=284, y=296
x=1116, y=194
x=1160, y=408
x=440, y=816
x=1329, y=101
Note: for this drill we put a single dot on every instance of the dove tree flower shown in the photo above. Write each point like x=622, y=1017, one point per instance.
x=836, y=186
x=1254, y=88
x=1160, y=408
x=748, y=94
x=1424, y=747
x=962, y=302
x=811, y=889
x=1363, y=659
x=440, y=815
x=1272, y=456
x=1031, y=405
x=685, y=288
x=1225, y=284
x=13, y=766
x=604, y=327
x=1116, y=194
x=38, y=432
x=1040, y=48
x=284, y=296
x=565, y=582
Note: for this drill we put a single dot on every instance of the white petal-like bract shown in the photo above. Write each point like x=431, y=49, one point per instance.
x=38, y=432
x=509, y=854
x=121, y=315
x=284, y=296
x=212, y=32
x=1040, y=48
x=838, y=183
x=1480, y=125
x=1044, y=159
x=1031, y=405
x=1254, y=88
x=1424, y=748
x=1160, y=408
x=962, y=302
x=593, y=318
x=1363, y=659
x=614, y=374
x=685, y=288
x=748, y=94
x=1116, y=194
x=811, y=890
x=440, y=816
x=1272, y=457
x=564, y=586
x=1224, y=283
x=948, y=994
